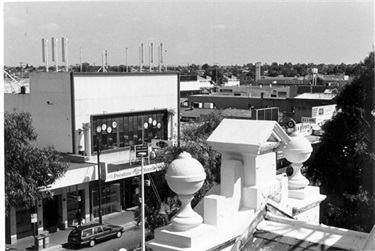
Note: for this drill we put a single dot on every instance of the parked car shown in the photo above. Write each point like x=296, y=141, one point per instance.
x=93, y=233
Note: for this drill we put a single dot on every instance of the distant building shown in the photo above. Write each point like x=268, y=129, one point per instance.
x=294, y=108
x=231, y=81
x=194, y=84
x=74, y=111
x=257, y=72
x=285, y=81
x=256, y=91
x=334, y=80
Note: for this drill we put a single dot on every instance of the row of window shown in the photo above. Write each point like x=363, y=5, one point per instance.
x=128, y=129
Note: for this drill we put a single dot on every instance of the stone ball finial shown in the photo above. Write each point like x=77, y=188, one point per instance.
x=185, y=176
x=297, y=151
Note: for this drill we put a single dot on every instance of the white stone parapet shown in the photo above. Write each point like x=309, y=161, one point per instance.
x=248, y=181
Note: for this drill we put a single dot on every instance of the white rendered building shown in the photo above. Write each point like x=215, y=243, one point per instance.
x=72, y=112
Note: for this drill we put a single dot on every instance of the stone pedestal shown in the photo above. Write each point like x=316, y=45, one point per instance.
x=186, y=218
x=306, y=204
x=185, y=176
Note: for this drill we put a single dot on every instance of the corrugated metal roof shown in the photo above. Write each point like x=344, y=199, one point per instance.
x=237, y=113
x=325, y=96
x=280, y=233
x=267, y=241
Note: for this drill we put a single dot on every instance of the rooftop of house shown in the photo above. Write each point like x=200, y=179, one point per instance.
x=325, y=96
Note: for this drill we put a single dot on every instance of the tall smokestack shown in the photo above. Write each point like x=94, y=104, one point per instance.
x=45, y=52
x=64, y=47
x=160, y=56
x=104, y=56
x=140, y=57
x=54, y=53
x=257, y=71
x=151, y=48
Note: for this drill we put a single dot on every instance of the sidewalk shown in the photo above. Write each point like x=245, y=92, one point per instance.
x=57, y=239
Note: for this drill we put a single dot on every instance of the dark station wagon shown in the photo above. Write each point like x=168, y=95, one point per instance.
x=93, y=233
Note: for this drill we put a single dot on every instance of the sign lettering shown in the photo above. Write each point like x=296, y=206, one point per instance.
x=141, y=149
x=135, y=171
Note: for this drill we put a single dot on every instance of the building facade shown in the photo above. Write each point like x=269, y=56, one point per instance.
x=291, y=108
x=76, y=113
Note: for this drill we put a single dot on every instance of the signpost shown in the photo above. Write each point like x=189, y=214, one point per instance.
x=142, y=154
x=34, y=220
x=141, y=149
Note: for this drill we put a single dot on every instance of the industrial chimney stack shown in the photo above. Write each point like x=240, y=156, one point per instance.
x=257, y=71
x=45, y=52
x=64, y=48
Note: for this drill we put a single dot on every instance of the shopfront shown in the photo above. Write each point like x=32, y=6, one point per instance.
x=111, y=200
x=119, y=189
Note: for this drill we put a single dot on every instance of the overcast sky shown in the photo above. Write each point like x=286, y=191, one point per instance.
x=192, y=32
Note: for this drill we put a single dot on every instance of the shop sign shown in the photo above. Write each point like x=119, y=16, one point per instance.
x=160, y=143
x=34, y=218
x=131, y=172
x=308, y=120
x=304, y=128
x=141, y=149
x=280, y=155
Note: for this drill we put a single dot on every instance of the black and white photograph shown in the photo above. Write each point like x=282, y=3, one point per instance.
x=187, y=125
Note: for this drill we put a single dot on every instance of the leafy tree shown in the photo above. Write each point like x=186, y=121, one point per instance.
x=205, y=67
x=85, y=67
x=343, y=164
x=27, y=168
x=194, y=141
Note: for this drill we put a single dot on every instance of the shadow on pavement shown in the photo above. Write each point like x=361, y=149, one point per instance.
x=70, y=246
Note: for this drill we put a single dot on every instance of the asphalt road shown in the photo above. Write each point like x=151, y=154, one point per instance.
x=129, y=239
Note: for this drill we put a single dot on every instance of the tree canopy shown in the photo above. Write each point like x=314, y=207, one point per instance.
x=343, y=165
x=27, y=168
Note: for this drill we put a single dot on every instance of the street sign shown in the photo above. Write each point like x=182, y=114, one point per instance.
x=34, y=218
x=141, y=149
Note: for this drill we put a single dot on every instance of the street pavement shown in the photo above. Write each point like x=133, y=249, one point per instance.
x=59, y=238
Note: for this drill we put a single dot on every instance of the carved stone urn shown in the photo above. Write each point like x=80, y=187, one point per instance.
x=297, y=151
x=185, y=176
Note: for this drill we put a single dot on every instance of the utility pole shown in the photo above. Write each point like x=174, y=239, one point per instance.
x=143, y=201
x=126, y=59
x=21, y=69
x=100, y=182
x=140, y=57
x=80, y=58
x=165, y=61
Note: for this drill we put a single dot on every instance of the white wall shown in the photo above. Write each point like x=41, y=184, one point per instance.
x=195, y=85
x=117, y=93
x=93, y=94
x=51, y=121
